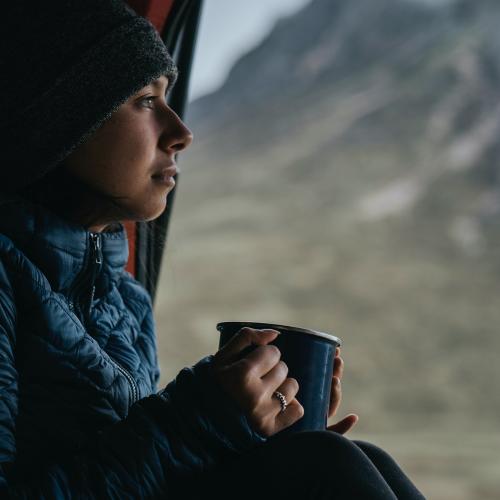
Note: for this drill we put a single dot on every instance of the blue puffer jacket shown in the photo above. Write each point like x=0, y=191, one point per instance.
x=79, y=413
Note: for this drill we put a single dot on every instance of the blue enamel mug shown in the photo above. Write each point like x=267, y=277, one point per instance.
x=309, y=356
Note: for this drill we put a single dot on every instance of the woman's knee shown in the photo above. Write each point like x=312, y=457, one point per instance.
x=374, y=452
x=321, y=446
x=322, y=462
x=338, y=463
x=390, y=470
x=315, y=440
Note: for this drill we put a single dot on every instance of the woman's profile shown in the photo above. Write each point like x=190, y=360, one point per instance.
x=89, y=142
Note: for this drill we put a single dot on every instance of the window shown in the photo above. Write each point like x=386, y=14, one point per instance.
x=345, y=178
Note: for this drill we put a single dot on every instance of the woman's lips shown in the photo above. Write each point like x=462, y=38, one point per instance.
x=166, y=175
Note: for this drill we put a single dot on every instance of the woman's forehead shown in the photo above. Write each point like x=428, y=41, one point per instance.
x=159, y=82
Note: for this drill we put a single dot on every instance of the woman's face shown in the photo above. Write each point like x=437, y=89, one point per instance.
x=130, y=159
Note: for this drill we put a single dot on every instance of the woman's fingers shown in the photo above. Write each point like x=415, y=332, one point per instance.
x=338, y=367
x=345, y=425
x=250, y=371
x=294, y=411
x=289, y=388
x=276, y=380
x=275, y=376
x=238, y=346
x=335, y=396
x=264, y=360
x=336, y=390
x=350, y=421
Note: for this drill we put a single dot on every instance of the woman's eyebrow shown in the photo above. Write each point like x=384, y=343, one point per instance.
x=158, y=83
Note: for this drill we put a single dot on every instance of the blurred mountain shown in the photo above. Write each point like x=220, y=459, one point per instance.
x=346, y=178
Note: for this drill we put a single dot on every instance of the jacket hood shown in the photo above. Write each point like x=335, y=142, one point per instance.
x=58, y=247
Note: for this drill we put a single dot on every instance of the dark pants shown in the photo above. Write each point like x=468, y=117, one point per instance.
x=306, y=465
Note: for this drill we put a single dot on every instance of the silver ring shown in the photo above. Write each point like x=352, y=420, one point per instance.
x=282, y=399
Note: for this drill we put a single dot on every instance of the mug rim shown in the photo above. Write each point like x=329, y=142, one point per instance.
x=308, y=331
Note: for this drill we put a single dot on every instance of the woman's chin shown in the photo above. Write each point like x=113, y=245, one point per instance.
x=154, y=212
x=144, y=208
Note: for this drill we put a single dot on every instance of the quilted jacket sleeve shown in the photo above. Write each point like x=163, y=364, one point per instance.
x=185, y=429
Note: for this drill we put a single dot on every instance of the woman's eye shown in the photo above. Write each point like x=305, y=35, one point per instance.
x=149, y=100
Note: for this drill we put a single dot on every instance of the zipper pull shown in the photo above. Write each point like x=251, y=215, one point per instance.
x=97, y=253
x=96, y=241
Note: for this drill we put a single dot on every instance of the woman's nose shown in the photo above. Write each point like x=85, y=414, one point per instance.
x=176, y=136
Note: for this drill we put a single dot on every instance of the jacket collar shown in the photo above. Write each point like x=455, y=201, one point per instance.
x=59, y=248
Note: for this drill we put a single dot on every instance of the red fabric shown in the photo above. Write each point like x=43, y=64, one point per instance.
x=155, y=10
x=131, y=234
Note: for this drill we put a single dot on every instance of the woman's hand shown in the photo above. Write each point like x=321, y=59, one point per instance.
x=336, y=396
x=251, y=379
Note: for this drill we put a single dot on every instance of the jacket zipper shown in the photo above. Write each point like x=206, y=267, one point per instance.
x=96, y=266
x=88, y=277
x=133, y=385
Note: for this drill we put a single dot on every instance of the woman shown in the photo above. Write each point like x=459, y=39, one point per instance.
x=88, y=142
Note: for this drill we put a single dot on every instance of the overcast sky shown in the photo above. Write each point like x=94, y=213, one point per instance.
x=228, y=29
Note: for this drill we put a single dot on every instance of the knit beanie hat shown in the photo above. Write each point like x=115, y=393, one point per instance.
x=66, y=66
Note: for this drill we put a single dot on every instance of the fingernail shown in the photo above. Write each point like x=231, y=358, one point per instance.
x=271, y=330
